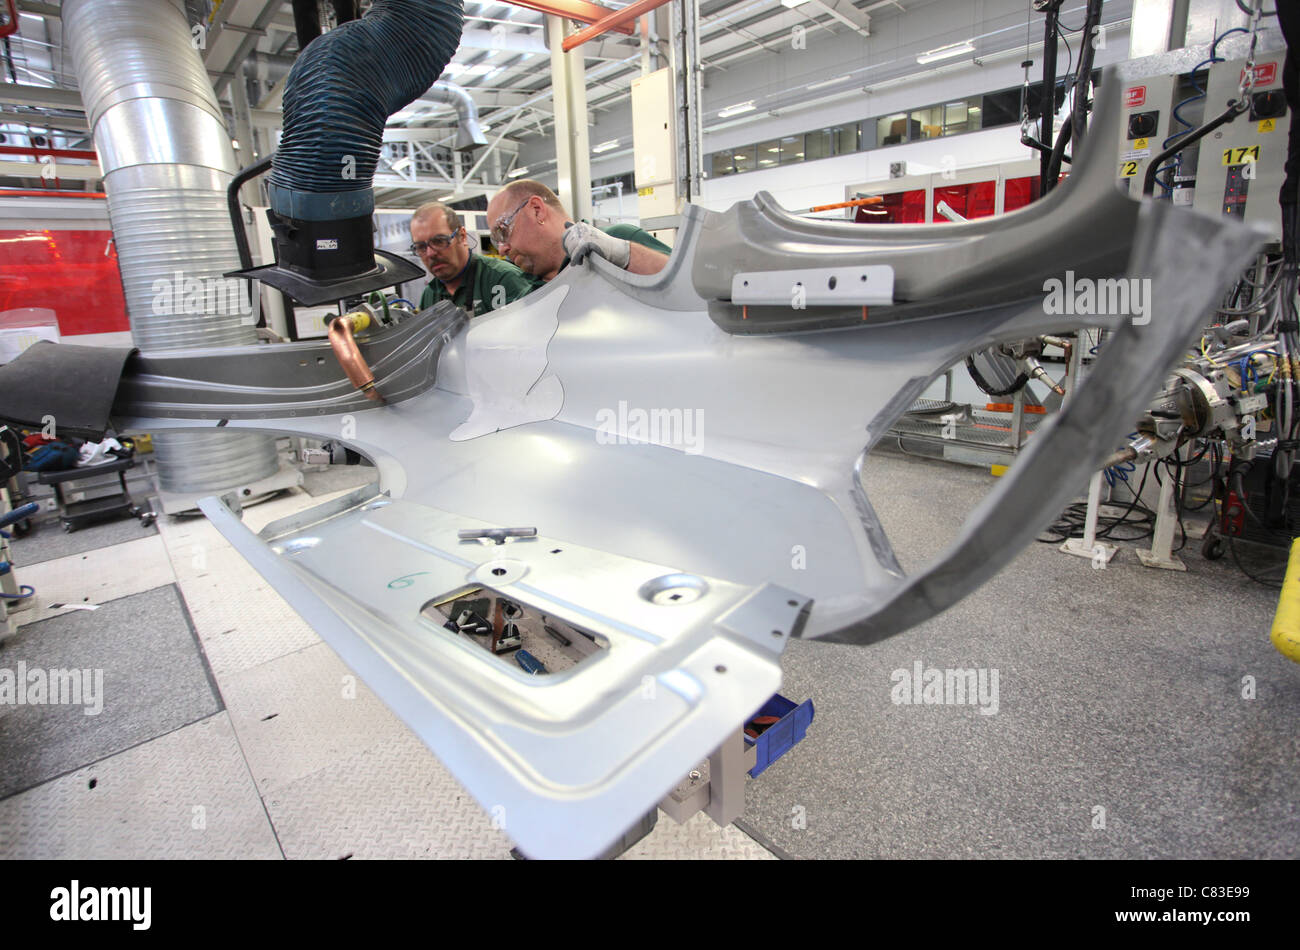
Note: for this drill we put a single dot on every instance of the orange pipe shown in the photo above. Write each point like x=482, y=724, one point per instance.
x=579, y=10
x=349, y=355
x=51, y=193
x=855, y=203
x=615, y=20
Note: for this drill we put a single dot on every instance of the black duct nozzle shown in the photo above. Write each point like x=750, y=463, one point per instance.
x=320, y=262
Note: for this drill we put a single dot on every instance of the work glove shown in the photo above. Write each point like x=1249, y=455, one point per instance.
x=583, y=239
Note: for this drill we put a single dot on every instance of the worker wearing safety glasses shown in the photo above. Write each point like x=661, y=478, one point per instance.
x=530, y=226
x=472, y=282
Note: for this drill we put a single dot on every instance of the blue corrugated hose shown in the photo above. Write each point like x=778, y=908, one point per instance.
x=340, y=93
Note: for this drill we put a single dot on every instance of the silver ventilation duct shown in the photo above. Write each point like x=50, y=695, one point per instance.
x=468, y=134
x=167, y=159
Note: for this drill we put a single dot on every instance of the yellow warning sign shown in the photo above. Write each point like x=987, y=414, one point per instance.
x=645, y=192
x=1266, y=125
x=1139, y=144
x=1128, y=169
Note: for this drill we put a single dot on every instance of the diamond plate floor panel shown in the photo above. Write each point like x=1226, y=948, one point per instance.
x=241, y=621
x=302, y=712
x=95, y=577
x=393, y=799
x=183, y=795
x=337, y=478
x=698, y=838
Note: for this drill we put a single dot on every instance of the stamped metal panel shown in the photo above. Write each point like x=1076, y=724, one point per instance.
x=565, y=762
x=736, y=457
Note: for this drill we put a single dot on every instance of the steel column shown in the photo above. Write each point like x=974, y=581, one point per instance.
x=572, y=154
x=686, y=66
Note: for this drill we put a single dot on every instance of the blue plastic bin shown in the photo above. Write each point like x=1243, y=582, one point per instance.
x=780, y=737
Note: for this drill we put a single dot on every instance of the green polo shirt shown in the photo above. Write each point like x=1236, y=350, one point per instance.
x=478, y=291
x=630, y=232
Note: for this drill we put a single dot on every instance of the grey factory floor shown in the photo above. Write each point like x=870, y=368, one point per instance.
x=1121, y=728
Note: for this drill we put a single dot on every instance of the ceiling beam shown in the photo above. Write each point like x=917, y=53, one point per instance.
x=33, y=170
x=846, y=13
x=64, y=122
x=579, y=10
x=247, y=43
x=50, y=98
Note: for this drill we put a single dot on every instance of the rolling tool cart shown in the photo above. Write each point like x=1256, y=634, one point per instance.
x=78, y=514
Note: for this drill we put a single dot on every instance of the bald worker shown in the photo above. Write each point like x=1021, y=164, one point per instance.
x=530, y=226
x=470, y=281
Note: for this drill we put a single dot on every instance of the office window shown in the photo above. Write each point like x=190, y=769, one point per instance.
x=792, y=149
x=896, y=129
x=1000, y=108
x=818, y=144
x=769, y=153
x=927, y=123
x=846, y=138
x=744, y=158
x=721, y=164
x=956, y=117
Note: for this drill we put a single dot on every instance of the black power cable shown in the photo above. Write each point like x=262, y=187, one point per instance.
x=987, y=387
x=1072, y=520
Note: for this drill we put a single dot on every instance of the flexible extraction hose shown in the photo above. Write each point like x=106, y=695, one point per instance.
x=341, y=91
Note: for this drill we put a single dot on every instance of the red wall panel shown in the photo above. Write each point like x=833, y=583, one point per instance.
x=900, y=207
x=73, y=273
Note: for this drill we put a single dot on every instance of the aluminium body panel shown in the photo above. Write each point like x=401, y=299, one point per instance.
x=694, y=440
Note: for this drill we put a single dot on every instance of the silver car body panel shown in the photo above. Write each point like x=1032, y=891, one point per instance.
x=688, y=440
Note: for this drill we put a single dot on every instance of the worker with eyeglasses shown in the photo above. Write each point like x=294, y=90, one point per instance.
x=530, y=226
x=471, y=281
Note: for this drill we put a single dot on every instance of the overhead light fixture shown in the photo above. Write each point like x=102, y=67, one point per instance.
x=234, y=143
x=605, y=146
x=737, y=109
x=485, y=129
x=518, y=172
x=401, y=163
x=946, y=52
x=828, y=82
x=447, y=197
x=475, y=69
x=791, y=4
